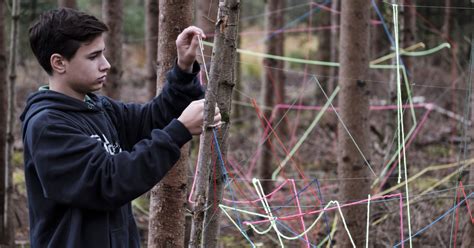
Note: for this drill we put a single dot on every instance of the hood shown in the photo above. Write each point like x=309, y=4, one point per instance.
x=48, y=99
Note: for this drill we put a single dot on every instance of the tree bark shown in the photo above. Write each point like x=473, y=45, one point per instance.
x=324, y=49
x=151, y=45
x=112, y=11
x=447, y=19
x=224, y=74
x=354, y=109
x=334, y=46
x=273, y=86
x=3, y=125
x=67, y=3
x=168, y=198
x=8, y=235
x=219, y=90
x=4, y=237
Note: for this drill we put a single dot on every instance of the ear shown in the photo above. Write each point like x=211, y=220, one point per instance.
x=58, y=63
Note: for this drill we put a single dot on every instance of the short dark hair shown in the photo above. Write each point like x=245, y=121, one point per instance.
x=62, y=31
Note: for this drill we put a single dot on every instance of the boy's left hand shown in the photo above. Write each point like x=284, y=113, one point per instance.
x=187, y=44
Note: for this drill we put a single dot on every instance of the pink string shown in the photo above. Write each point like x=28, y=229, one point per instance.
x=299, y=211
x=290, y=217
x=415, y=133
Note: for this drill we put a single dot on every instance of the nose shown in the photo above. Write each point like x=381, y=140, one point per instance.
x=105, y=65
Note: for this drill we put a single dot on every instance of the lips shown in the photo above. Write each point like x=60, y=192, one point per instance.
x=102, y=79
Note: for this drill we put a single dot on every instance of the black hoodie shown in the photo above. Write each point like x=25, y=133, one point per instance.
x=85, y=161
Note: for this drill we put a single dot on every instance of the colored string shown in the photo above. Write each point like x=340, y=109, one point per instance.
x=368, y=218
x=325, y=214
x=435, y=221
x=345, y=127
x=400, y=121
x=306, y=134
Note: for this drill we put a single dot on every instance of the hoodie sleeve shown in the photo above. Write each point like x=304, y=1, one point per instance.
x=75, y=169
x=136, y=121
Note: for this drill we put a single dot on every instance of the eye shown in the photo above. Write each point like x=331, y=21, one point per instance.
x=93, y=57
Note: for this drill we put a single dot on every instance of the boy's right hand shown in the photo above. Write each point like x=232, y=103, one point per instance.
x=192, y=117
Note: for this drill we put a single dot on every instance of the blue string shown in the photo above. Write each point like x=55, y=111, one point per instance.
x=295, y=21
x=435, y=221
x=219, y=155
x=387, y=32
x=384, y=24
x=224, y=175
x=288, y=201
x=297, y=194
x=325, y=215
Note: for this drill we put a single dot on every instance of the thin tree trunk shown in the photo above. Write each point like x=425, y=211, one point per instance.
x=67, y=3
x=4, y=228
x=273, y=86
x=168, y=198
x=7, y=221
x=324, y=49
x=334, y=40
x=151, y=44
x=354, y=109
x=206, y=14
x=222, y=81
x=112, y=11
x=447, y=19
x=224, y=75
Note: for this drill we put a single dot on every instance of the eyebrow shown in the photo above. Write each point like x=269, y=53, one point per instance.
x=96, y=52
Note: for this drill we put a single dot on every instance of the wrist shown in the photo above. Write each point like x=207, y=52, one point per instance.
x=188, y=68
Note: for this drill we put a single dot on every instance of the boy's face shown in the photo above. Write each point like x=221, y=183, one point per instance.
x=87, y=70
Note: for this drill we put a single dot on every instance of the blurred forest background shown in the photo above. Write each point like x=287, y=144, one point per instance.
x=311, y=133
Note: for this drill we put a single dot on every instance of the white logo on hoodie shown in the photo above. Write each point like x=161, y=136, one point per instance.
x=110, y=148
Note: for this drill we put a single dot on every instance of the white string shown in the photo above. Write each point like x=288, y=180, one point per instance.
x=201, y=48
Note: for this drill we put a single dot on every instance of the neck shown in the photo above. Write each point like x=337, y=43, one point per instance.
x=58, y=86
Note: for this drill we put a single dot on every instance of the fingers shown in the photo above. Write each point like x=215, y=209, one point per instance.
x=217, y=113
x=191, y=33
x=195, y=31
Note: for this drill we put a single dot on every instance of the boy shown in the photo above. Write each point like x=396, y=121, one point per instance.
x=87, y=156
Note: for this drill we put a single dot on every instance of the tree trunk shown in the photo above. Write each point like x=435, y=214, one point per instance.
x=151, y=45
x=273, y=87
x=334, y=45
x=4, y=197
x=67, y=3
x=112, y=11
x=222, y=78
x=168, y=198
x=324, y=49
x=224, y=75
x=8, y=234
x=354, y=109
x=447, y=19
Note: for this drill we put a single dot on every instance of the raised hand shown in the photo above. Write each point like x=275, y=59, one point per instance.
x=186, y=45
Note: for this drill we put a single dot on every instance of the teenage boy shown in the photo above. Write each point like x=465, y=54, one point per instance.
x=88, y=156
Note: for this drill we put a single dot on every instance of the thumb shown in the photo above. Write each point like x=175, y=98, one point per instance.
x=195, y=42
